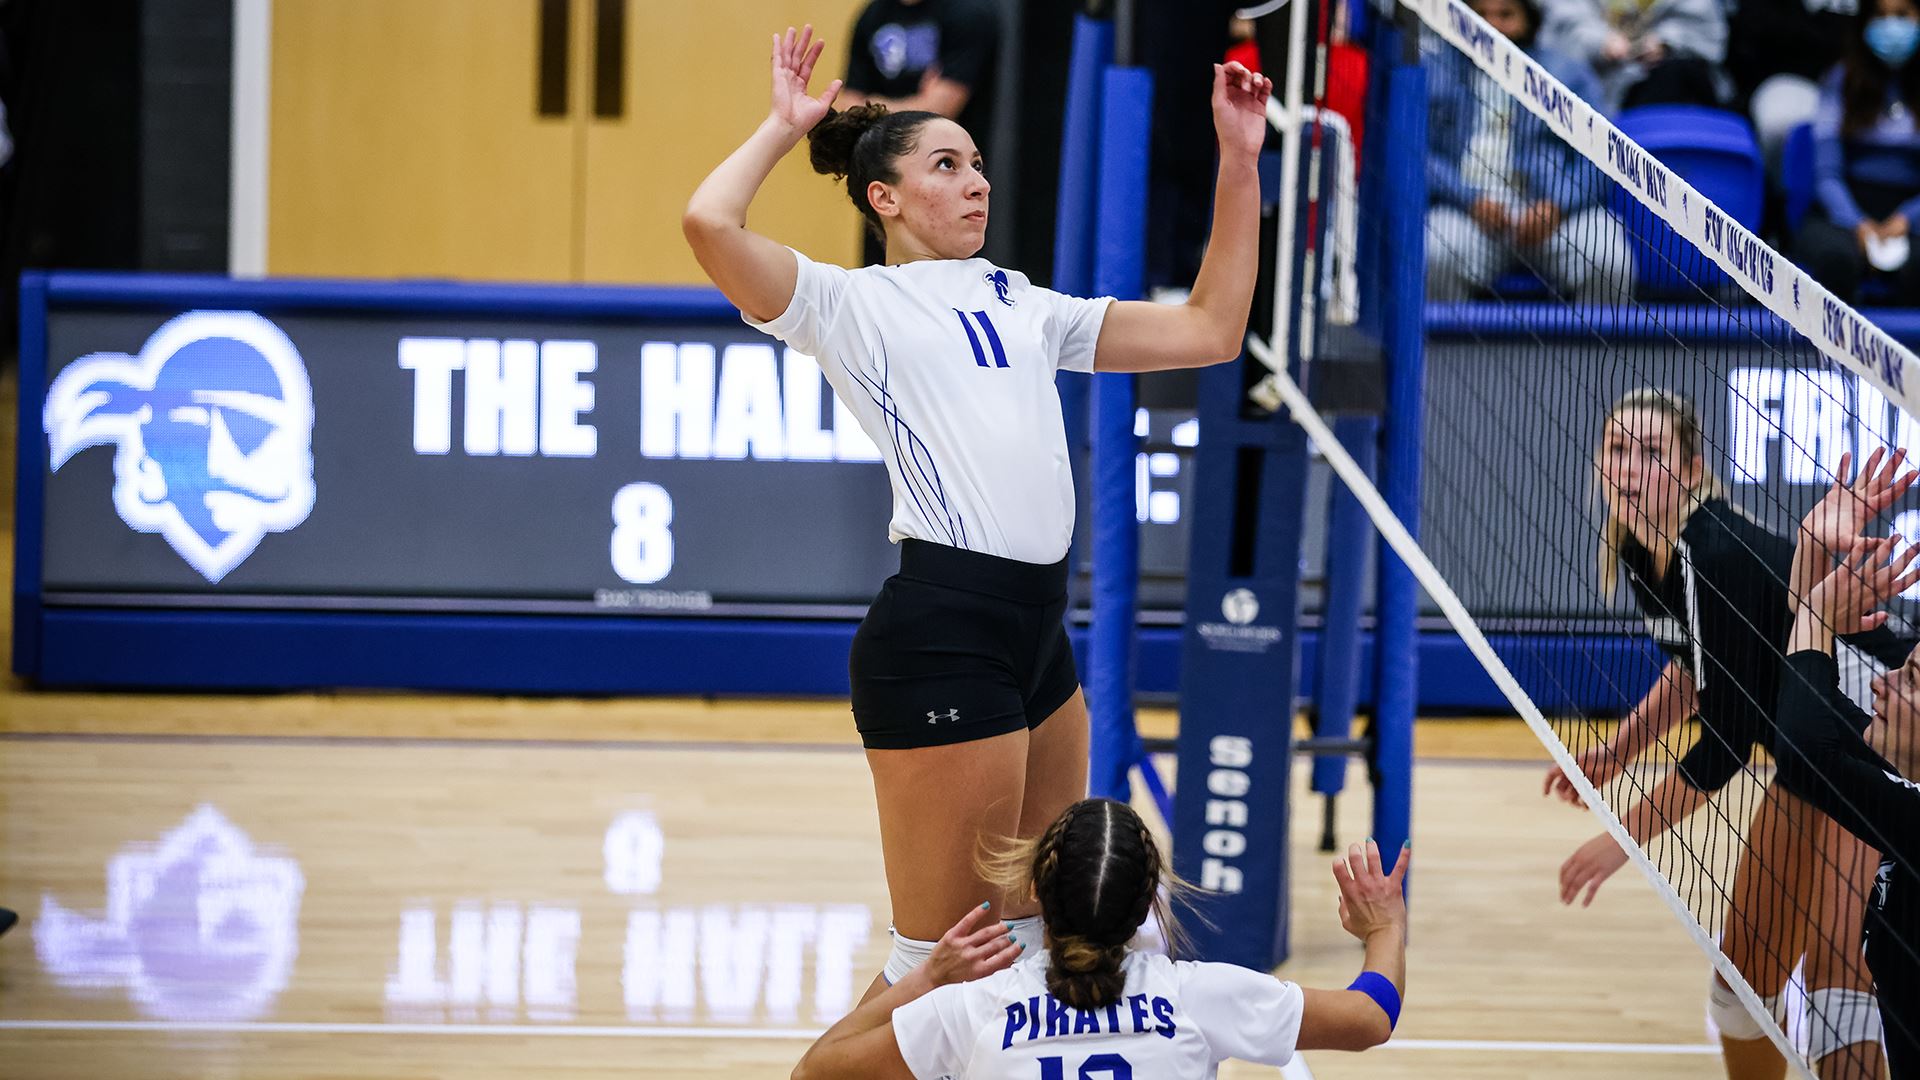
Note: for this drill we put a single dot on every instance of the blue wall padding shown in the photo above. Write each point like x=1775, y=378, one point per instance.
x=1593, y=675
x=1119, y=271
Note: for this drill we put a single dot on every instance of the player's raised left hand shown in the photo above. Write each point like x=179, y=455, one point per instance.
x=1240, y=109
x=1372, y=898
x=977, y=946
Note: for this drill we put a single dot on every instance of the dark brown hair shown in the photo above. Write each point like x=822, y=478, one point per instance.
x=1097, y=873
x=862, y=144
x=1864, y=78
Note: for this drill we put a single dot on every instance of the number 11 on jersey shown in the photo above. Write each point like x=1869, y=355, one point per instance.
x=973, y=339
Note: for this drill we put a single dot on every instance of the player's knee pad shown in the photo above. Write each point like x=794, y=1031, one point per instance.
x=906, y=954
x=1029, y=933
x=1838, y=1018
x=1730, y=1017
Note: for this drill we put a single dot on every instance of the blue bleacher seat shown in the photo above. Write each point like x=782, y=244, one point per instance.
x=1716, y=152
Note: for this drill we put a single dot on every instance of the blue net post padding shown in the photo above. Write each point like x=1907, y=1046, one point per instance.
x=1074, y=230
x=1119, y=271
x=1396, y=667
x=1348, y=556
x=1075, y=225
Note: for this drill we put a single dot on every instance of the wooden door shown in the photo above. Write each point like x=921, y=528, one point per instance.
x=407, y=138
x=695, y=85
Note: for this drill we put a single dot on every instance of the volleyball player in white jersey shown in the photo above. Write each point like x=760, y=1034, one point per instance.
x=964, y=686
x=1091, y=1008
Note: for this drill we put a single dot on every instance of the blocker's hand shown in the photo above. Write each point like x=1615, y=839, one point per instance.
x=1240, y=109
x=1587, y=868
x=793, y=58
x=1371, y=900
x=1843, y=513
x=977, y=946
x=1600, y=766
x=1848, y=598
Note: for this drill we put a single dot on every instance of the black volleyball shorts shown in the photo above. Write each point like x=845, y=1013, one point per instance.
x=960, y=646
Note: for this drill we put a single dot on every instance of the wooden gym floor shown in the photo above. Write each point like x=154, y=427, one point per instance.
x=383, y=885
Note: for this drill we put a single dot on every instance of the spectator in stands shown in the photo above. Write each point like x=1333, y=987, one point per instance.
x=1505, y=189
x=930, y=55
x=1776, y=52
x=1867, y=159
x=1647, y=52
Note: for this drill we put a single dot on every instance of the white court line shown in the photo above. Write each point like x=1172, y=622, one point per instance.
x=584, y=1031
x=1489, y=1046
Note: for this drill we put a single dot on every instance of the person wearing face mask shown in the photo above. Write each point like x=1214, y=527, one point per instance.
x=1713, y=585
x=1867, y=159
x=964, y=688
x=1859, y=768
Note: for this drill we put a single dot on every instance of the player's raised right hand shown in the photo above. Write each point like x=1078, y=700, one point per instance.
x=794, y=54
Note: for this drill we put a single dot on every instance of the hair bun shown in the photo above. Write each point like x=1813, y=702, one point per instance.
x=830, y=144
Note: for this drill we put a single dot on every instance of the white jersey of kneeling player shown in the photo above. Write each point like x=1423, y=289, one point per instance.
x=1176, y=1020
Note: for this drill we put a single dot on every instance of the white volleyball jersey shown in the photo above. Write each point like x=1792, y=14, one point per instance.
x=949, y=366
x=1176, y=1020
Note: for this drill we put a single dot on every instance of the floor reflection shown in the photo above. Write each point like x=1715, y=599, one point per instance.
x=197, y=926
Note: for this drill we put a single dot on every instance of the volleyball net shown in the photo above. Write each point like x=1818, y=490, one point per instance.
x=1629, y=401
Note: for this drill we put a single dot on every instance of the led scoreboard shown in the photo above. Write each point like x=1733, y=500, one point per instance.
x=405, y=462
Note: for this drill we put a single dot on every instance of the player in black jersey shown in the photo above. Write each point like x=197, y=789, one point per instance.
x=1855, y=767
x=1712, y=585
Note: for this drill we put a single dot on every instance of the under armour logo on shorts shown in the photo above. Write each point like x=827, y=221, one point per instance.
x=950, y=716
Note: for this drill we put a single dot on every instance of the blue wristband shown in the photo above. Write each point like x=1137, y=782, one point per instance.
x=1380, y=989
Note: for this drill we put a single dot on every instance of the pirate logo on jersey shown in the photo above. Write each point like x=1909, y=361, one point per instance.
x=998, y=279
x=213, y=428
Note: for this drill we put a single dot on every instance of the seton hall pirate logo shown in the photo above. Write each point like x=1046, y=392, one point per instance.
x=998, y=279
x=213, y=428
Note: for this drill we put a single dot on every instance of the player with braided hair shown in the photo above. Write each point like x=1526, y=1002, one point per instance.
x=1089, y=1004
